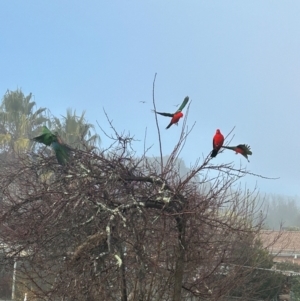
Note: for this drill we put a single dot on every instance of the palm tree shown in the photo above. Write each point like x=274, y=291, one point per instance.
x=18, y=121
x=75, y=131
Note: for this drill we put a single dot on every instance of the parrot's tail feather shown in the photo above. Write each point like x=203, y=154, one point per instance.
x=214, y=153
x=169, y=125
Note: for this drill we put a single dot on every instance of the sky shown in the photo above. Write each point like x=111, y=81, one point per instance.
x=238, y=61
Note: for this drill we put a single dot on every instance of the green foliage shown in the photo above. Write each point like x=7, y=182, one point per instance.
x=18, y=121
x=262, y=283
x=288, y=266
x=295, y=283
x=294, y=280
x=75, y=131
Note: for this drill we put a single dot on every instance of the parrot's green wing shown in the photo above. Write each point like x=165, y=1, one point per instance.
x=185, y=101
x=243, y=149
x=246, y=148
x=45, y=130
x=164, y=114
x=46, y=138
x=62, y=152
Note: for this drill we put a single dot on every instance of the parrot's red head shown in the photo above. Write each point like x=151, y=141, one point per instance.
x=218, y=131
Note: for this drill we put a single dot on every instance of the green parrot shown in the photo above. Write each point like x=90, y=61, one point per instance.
x=62, y=151
x=243, y=149
x=177, y=115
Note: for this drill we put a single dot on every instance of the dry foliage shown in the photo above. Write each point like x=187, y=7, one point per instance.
x=109, y=225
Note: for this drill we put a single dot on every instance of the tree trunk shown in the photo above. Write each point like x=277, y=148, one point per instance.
x=179, y=268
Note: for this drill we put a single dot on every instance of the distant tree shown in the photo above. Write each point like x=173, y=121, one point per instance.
x=293, y=280
x=255, y=263
x=18, y=120
x=291, y=228
x=282, y=211
x=179, y=164
x=75, y=130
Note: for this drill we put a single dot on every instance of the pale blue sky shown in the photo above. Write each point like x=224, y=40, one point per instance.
x=238, y=61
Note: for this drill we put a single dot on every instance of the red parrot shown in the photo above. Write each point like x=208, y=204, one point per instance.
x=218, y=141
x=177, y=115
x=243, y=149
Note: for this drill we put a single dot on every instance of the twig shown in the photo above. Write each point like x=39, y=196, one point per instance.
x=157, y=126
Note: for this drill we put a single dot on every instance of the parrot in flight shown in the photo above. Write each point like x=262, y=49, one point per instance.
x=177, y=115
x=243, y=149
x=218, y=141
x=62, y=151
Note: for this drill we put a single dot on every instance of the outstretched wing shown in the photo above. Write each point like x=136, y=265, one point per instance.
x=164, y=114
x=46, y=138
x=245, y=148
x=230, y=147
x=185, y=101
x=241, y=148
x=45, y=130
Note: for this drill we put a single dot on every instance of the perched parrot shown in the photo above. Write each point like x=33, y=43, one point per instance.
x=177, y=115
x=62, y=151
x=243, y=149
x=218, y=141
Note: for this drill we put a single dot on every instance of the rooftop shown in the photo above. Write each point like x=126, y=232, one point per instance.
x=281, y=242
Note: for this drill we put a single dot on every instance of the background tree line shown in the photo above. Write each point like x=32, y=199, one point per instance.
x=282, y=211
x=114, y=225
x=20, y=120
